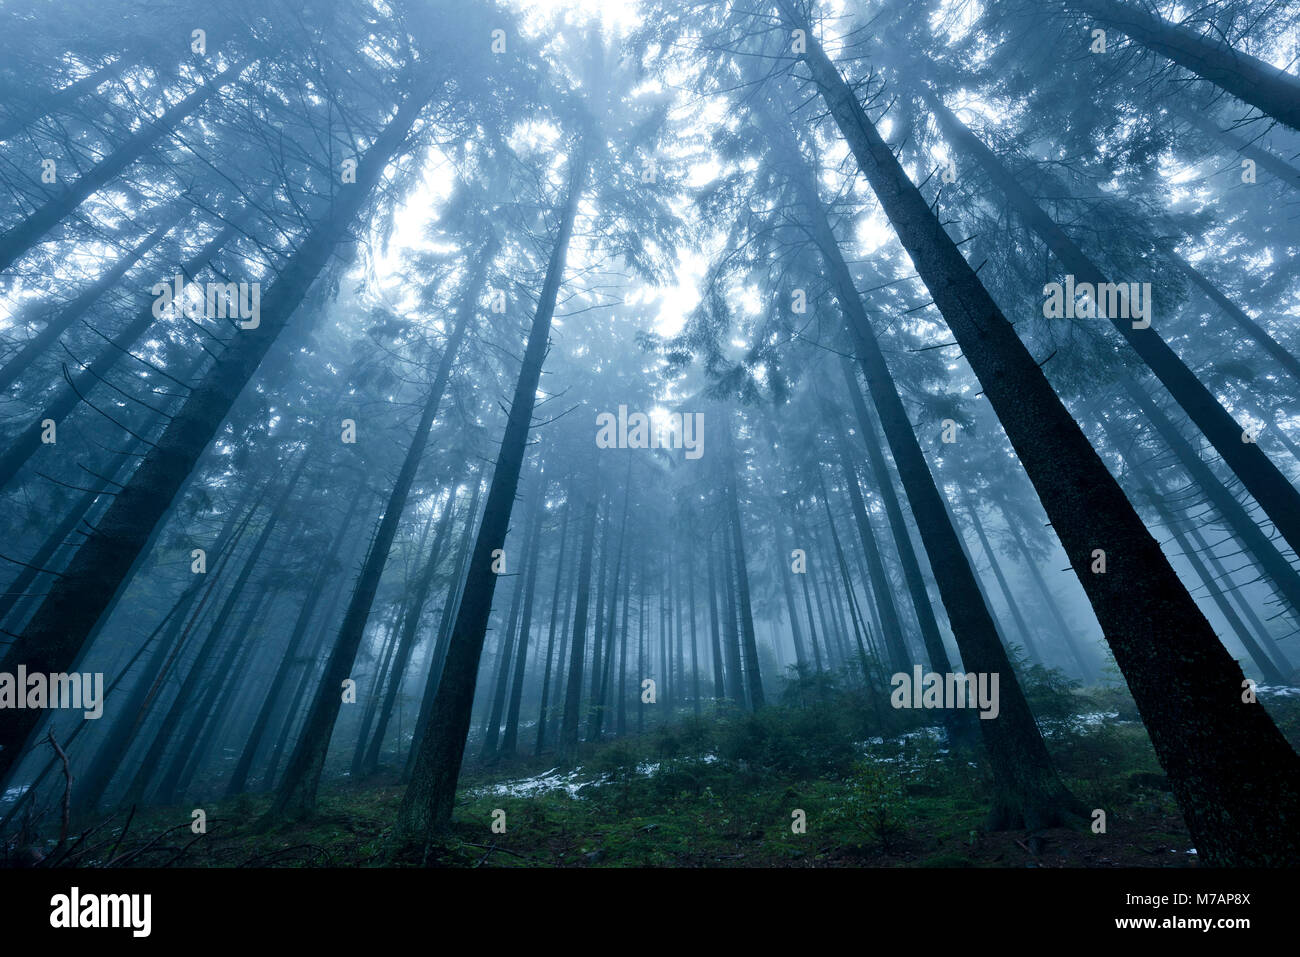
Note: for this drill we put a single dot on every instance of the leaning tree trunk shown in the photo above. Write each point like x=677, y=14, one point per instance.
x=1187, y=687
x=1267, y=557
x=55, y=635
x=74, y=391
x=898, y=526
x=60, y=319
x=1270, y=90
x=410, y=631
x=17, y=240
x=296, y=795
x=1276, y=496
x=239, y=777
x=1027, y=790
x=1267, y=668
x=1262, y=157
x=891, y=625
x=1258, y=333
x=428, y=801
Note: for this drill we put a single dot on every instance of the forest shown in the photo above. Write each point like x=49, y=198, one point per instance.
x=649, y=433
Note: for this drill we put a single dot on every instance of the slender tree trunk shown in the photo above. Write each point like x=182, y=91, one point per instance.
x=1279, y=167
x=542, y=716
x=410, y=631
x=719, y=685
x=427, y=804
x=17, y=240
x=600, y=680
x=1258, y=333
x=735, y=679
x=510, y=739
x=1087, y=668
x=61, y=319
x=69, y=395
x=450, y=609
x=58, y=101
x=239, y=778
x=54, y=637
x=995, y=565
x=892, y=627
x=297, y=792
x=518, y=630
x=568, y=740
x=880, y=475
x=1267, y=557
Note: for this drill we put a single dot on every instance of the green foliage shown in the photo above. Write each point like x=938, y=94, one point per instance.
x=800, y=742
x=873, y=802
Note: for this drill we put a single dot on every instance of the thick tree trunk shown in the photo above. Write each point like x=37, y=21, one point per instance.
x=1265, y=87
x=1276, y=496
x=1187, y=688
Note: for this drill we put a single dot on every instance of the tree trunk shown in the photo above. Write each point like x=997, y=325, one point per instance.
x=892, y=627
x=410, y=631
x=297, y=792
x=1274, y=92
x=17, y=240
x=71, y=394
x=1186, y=686
x=61, y=319
x=1276, y=496
x=54, y=637
x=426, y=806
x=239, y=778
x=542, y=716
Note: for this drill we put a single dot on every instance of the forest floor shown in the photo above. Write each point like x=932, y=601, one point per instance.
x=727, y=791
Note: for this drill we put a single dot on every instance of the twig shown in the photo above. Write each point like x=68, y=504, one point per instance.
x=67, y=791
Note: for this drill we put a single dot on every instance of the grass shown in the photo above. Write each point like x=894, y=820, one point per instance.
x=819, y=779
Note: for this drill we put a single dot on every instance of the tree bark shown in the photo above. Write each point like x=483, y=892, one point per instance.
x=1187, y=688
